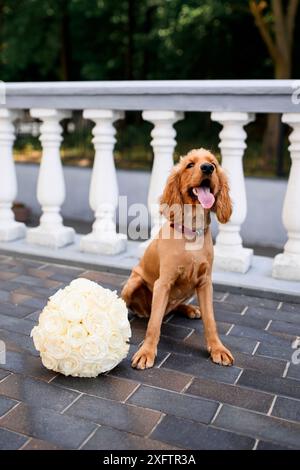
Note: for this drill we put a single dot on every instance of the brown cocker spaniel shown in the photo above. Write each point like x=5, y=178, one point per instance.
x=178, y=262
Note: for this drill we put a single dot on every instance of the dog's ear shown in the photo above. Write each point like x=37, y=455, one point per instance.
x=171, y=200
x=223, y=204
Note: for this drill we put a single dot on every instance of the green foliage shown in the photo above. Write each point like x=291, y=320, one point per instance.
x=130, y=39
x=139, y=40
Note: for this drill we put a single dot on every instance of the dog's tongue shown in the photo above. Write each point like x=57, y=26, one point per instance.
x=205, y=197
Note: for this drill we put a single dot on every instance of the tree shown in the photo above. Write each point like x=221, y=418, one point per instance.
x=276, y=25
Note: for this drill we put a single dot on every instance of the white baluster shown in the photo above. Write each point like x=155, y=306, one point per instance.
x=51, y=186
x=229, y=253
x=287, y=264
x=9, y=228
x=163, y=143
x=104, y=186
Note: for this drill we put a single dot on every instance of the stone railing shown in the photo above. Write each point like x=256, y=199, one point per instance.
x=233, y=104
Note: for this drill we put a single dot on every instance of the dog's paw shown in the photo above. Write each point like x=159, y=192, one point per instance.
x=221, y=355
x=193, y=312
x=144, y=358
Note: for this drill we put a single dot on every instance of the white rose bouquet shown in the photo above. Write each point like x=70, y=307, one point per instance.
x=83, y=331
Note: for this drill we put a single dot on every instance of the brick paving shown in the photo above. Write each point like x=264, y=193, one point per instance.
x=184, y=402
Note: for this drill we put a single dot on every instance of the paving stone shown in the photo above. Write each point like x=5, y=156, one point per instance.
x=273, y=351
x=167, y=329
x=268, y=314
x=37, y=392
x=202, y=368
x=65, y=279
x=4, y=296
x=26, y=364
x=172, y=346
x=263, y=445
x=104, y=386
x=258, y=425
x=10, y=440
x=221, y=306
x=174, y=403
x=3, y=373
x=231, y=394
x=117, y=415
x=224, y=307
x=284, y=327
x=244, y=320
x=36, y=291
x=37, y=282
x=167, y=379
x=6, y=404
x=35, y=303
x=248, y=300
x=17, y=341
x=105, y=277
x=7, y=276
x=15, y=324
x=270, y=383
x=294, y=371
x=259, y=335
x=113, y=439
x=287, y=408
x=196, y=324
x=219, y=295
x=62, y=269
x=290, y=307
x=260, y=363
x=37, y=272
x=34, y=317
x=37, y=444
x=191, y=435
x=18, y=311
x=64, y=431
x=234, y=343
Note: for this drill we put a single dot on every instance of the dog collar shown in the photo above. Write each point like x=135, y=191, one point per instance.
x=187, y=231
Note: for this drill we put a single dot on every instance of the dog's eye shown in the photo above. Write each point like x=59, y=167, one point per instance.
x=190, y=165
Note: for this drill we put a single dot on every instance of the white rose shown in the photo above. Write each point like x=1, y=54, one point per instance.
x=115, y=340
x=38, y=337
x=49, y=362
x=113, y=359
x=76, y=335
x=105, y=299
x=73, y=306
x=57, y=347
x=83, y=285
x=96, y=322
x=94, y=349
x=52, y=322
x=90, y=369
x=126, y=331
x=70, y=365
x=56, y=298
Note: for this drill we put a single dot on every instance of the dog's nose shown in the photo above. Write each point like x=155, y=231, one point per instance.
x=207, y=168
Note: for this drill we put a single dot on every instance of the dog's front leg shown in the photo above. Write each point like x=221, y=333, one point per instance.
x=145, y=356
x=218, y=352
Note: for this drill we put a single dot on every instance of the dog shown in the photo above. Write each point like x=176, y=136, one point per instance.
x=172, y=270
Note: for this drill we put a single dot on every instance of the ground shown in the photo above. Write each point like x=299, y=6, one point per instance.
x=184, y=402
